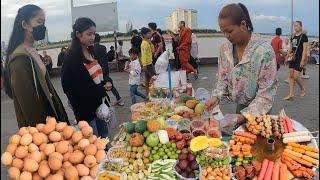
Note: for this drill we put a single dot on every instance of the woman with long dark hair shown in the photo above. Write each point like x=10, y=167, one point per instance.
x=247, y=67
x=82, y=76
x=27, y=81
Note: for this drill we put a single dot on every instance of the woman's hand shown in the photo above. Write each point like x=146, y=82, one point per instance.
x=211, y=103
x=302, y=64
x=108, y=86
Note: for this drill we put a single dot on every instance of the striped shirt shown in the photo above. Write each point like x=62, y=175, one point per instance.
x=95, y=71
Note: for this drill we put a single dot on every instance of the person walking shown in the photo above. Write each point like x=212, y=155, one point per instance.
x=184, y=48
x=298, y=52
x=26, y=78
x=304, y=69
x=82, y=77
x=134, y=70
x=276, y=44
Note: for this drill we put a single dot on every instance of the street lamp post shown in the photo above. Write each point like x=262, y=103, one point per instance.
x=291, y=25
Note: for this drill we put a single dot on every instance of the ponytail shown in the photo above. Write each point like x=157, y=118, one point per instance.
x=247, y=17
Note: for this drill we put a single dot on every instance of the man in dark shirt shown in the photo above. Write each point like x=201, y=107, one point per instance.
x=156, y=40
x=101, y=55
x=111, y=54
x=136, y=40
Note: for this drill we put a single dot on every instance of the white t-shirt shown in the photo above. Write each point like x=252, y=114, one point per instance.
x=134, y=72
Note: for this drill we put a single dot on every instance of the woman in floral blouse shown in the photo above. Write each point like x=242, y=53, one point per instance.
x=247, y=67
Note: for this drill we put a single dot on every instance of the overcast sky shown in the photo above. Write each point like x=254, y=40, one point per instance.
x=266, y=14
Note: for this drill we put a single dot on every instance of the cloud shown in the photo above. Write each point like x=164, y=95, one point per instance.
x=266, y=18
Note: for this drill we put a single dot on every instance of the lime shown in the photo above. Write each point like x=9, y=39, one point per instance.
x=153, y=152
x=165, y=157
x=178, y=151
x=174, y=145
x=161, y=150
x=172, y=157
x=156, y=157
x=159, y=145
x=169, y=153
x=166, y=150
x=155, y=148
x=176, y=156
x=161, y=153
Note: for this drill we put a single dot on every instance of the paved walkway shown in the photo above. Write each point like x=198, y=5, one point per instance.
x=304, y=110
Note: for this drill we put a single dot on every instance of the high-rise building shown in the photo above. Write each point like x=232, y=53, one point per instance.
x=129, y=26
x=189, y=16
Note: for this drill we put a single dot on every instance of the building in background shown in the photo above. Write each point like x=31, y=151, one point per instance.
x=189, y=16
x=129, y=26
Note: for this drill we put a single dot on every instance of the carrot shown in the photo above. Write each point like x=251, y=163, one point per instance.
x=294, y=144
x=299, y=150
x=283, y=172
x=284, y=124
x=268, y=174
x=288, y=124
x=316, y=150
x=312, y=154
x=310, y=159
x=243, y=139
x=275, y=172
x=263, y=169
x=299, y=160
x=299, y=155
x=245, y=134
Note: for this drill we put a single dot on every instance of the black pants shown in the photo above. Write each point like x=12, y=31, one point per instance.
x=193, y=62
x=177, y=61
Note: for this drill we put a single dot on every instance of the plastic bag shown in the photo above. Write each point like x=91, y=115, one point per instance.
x=104, y=112
x=161, y=65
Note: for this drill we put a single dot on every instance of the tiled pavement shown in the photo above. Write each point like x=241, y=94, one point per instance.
x=304, y=110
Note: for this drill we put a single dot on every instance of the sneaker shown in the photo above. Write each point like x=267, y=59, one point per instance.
x=305, y=76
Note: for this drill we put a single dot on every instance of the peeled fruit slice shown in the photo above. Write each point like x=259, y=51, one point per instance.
x=77, y=136
x=91, y=149
x=214, y=142
x=199, y=143
x=44, y=170
x=60, y=126
x=94, y=171
x=11, y=148
x=67, y=132
x=37, y=139
x=83, y=143
x=18, y=163
x=21, y=152
x=55, y=163
x=15, y=139
x=62, y=147
x=54, y=136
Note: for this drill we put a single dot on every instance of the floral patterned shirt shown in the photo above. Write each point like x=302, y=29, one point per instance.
x=253, y=81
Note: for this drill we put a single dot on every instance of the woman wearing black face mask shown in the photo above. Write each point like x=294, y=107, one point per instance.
x=26, y=80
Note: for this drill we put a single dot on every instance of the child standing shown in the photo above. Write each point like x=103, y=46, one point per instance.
x=134, y=70
x=147, y=50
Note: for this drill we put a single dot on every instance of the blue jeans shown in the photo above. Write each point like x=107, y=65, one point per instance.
x=100, y=128
x=133, y=92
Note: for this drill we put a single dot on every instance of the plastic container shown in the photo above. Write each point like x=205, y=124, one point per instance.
x=116, y=160
x=184, y=124
x=111, y=172
x=202, y=94
x=214, y=132
x=198, y=132
x=171, y=123
x=211, y=123
x=179, y=177
x=197, y=125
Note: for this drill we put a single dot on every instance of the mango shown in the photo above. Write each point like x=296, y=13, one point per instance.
x=191, y=103
x=199, y=108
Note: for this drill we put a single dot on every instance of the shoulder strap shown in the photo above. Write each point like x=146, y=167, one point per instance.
x=298, y=44
x=34, y=76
